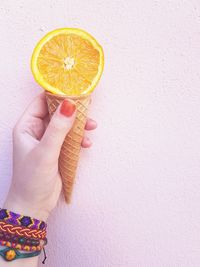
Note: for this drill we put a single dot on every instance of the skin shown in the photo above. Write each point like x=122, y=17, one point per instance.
x=36, y=147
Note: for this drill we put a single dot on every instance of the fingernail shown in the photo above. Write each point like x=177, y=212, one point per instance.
x=67, y=108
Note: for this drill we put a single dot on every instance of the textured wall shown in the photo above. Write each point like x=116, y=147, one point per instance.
x=137, y=197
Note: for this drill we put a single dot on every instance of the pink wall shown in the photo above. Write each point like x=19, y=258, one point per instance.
x=137, y=197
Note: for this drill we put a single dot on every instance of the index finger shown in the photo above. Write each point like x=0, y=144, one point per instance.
x=36, y=111
x=38, y=107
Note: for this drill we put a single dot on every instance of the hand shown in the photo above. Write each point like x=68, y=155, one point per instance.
x=36, y=182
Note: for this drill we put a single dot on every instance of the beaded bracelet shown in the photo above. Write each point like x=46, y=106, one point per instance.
x=20, y=247
x=15, y=229
x=9, y=254
x=22, y=231
x=21, y=220
x=22, y=240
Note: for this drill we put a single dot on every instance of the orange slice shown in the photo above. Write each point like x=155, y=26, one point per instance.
x=68, y=61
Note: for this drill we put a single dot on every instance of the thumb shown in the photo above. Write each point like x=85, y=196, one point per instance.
x=59, y=125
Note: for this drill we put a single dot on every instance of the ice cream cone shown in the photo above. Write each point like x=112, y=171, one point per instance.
x=70, y=151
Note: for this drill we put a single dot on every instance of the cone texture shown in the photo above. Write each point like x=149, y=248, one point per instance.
x=70, y=151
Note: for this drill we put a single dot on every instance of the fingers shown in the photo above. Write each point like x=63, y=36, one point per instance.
x=37, y=108
x=31, y=120
x=57, y=129
x=59, y=126
x=90, y=124
x=46, y=120
x=86, y=142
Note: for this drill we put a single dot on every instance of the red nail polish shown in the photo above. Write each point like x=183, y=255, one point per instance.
x=67, y=108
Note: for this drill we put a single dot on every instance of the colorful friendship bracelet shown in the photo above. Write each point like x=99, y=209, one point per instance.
x=21, y=220
x=21, y=231
x=22, y=240
x=9, y=254
x=20, y=247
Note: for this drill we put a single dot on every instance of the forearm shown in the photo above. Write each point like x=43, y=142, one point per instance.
x=30, y=262
x=12, y=204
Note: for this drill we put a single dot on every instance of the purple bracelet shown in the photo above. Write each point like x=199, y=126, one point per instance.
x=21, y=220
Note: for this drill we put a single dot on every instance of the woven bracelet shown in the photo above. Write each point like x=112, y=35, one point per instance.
x=18, y=227
x=21, y=231
x=21, y=220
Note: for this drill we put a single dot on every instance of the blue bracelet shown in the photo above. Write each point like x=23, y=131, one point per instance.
x=10, y=254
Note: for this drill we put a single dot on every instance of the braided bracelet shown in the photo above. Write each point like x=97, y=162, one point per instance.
x=14, y=231
x=21, y=220
x=21, y=231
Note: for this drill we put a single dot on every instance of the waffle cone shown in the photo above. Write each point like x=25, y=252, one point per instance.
x=70, y=151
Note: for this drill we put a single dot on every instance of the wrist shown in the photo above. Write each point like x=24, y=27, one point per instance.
x=17, y=205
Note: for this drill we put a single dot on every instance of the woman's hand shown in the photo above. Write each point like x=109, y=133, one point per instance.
x=36, y=182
